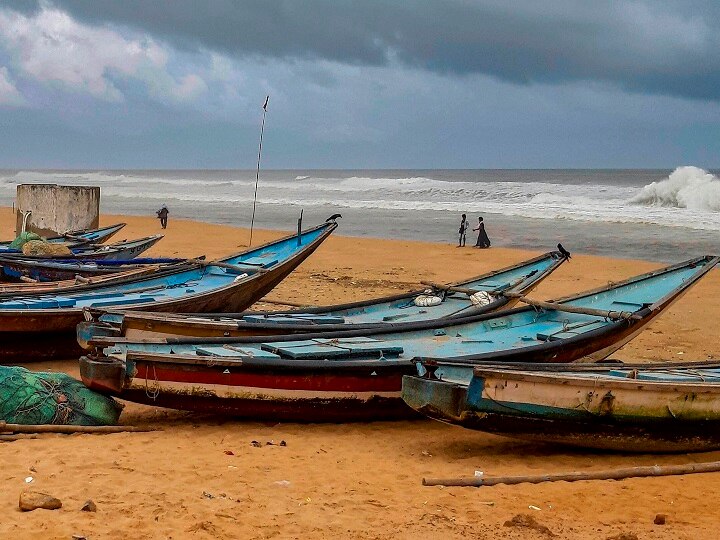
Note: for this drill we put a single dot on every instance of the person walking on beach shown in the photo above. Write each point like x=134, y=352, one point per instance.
x=163, y=214
x=463, y=231
x=482, y=240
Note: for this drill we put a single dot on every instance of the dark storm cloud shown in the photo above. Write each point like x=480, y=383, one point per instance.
x=651, y=47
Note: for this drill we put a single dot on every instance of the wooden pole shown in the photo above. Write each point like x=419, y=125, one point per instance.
x=615, y=474
x=52, y=428
x=543, y=305
x=451, y=288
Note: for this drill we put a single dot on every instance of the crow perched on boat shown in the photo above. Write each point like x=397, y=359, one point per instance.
x=564, y=252
x=333, y=217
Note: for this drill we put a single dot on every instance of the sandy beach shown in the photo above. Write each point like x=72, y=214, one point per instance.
x=200, y=476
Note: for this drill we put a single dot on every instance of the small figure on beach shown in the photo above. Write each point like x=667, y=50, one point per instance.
x=463, y=231
x=163, y=215
x=482, y=240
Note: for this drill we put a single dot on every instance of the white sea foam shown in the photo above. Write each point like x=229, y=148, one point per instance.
x=689, y=197
x=687, y=187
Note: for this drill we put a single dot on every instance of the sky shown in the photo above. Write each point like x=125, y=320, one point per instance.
x=369, y=84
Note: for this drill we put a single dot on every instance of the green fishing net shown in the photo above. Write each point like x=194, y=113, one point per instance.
x=28, y=397
x=23, y=238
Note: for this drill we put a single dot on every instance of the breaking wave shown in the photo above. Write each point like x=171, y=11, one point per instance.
x=686, y=187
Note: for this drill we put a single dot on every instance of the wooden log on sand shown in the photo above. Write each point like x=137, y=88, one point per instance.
x=615, y=474
x=52, y=428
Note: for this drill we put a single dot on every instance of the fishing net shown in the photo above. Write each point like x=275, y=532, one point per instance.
x=28, y=397
x=23, y=238
x=45, y=249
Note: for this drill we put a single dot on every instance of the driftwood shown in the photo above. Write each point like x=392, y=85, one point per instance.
x=615, y=474
x=543, y=305
x=52, y=428
x=18, y=436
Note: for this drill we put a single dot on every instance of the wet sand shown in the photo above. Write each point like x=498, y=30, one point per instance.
x=200, y=477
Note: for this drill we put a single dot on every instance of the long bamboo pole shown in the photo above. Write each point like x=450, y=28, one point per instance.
x=615, y=474
x=543, y=305
x=52, y=428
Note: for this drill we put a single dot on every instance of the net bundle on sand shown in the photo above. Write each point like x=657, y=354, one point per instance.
x=28, y=397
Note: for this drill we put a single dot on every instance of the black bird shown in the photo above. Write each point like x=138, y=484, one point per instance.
x=564, y=252
x=333, y=217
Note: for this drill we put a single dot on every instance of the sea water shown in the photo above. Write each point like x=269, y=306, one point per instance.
x=660, y=215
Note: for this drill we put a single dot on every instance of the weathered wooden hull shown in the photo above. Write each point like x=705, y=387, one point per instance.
x=121, y=251
x=58, y=325
x=291, y=393
x=621, y=415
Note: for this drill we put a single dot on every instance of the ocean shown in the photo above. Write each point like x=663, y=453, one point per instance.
x=659, y=215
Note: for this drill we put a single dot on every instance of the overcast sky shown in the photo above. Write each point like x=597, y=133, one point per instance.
x=364, y=84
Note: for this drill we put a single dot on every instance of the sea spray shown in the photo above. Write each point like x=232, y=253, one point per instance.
x=686, y=187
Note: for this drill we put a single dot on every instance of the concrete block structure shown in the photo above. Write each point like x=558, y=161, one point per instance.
x=57, y=209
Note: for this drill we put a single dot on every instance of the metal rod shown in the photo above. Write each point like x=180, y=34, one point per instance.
x=257, y=173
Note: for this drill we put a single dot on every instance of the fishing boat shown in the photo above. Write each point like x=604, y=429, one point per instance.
x=44, y=270
x=84, y=236
x=357, y=374
x=43, y=325
x=481, y=294
x=79, y=283
x=664, y=407
x=123, y=250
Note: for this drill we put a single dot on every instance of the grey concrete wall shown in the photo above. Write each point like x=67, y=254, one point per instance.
x=57, y=209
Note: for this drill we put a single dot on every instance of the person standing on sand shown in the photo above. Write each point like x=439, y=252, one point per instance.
x=482, y=240
x=463, y=231
x=163, y=215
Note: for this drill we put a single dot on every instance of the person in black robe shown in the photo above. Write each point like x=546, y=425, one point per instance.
x=482, y=240
x=163, y=215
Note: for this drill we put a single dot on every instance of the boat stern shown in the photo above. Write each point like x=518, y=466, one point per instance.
x=440, y=400
x=106, y=376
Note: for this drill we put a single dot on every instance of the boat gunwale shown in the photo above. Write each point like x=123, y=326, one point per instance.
x=602, y=382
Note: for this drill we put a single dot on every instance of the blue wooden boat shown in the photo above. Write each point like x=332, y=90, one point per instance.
x=357, y=374
x=85, y=236
x=481, y=294
x=122, y=250
x=43, y=325
x=666, y=407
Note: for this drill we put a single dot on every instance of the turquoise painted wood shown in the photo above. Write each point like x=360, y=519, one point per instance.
x=525, y=331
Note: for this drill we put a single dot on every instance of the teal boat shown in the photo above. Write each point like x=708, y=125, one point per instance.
x=486, y=293
x=35, y=326
x=357, y=374
x=664, y=407
x=85, y=236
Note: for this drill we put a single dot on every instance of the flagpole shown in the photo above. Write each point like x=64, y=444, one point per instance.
x=257, y=173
